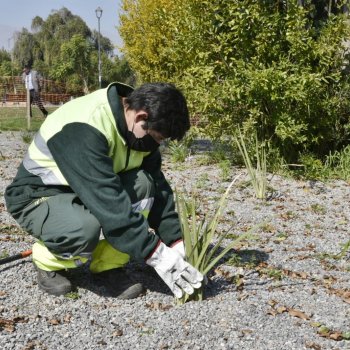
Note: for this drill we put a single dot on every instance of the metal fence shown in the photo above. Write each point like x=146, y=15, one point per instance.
x=13, y=92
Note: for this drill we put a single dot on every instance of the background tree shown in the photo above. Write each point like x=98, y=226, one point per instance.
x=5, y=63
x=26, y=48
x=58, y=28
x=63, y=47
x=74, y=63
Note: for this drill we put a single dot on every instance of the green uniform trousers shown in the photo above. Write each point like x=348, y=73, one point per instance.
x=68, y=233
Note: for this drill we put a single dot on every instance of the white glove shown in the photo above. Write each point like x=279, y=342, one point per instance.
x=179, y=247
x=178, y=274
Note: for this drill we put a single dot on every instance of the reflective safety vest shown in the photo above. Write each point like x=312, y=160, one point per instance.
x=94, y=110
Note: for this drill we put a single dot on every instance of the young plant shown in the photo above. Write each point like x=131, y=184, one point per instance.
x=178, y=151
x=27, y=137
x=224, y=166
x=257, y=174
x=198, y=236
x=337, y=164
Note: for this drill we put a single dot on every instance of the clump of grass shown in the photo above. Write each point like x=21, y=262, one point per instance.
x=4, y=254
x=312, y=167
x=337, y=164
x=198, y=235
x=2, y=157
x=73, y=295
x=14, y=118
x=178, y=151
x=224, y=166
x=257, y=173
x=27, y=137
x=318, y=208
x=202, y=180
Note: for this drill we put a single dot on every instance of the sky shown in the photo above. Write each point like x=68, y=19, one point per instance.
x=18, y=14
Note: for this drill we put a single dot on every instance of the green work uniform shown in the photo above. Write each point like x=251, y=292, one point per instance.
x=80, y=178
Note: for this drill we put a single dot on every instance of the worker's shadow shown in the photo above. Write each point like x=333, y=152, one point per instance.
x=138, y=272
x=218, y=280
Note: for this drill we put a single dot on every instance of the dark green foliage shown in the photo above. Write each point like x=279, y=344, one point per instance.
x=272, y=67
x=278, y=73
x=62, y=47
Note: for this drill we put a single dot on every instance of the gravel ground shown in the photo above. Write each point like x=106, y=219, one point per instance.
x=289, y=288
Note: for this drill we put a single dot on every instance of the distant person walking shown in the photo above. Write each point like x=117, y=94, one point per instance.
x=32, y=81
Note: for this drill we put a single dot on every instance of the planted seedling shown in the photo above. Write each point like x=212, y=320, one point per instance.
x=198, y=235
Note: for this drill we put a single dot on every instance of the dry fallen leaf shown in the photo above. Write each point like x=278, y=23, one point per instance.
x=158, y=306
x=225, y=274
x=117, y=333
x=344, y=294
x=313, y=346
x=281, y=309
x=324, y=332
x=272, y=302
x=20, y=319
x=54, y=321
x=30, y=346
x=7, y=325
x=336, y=336
x=272, y=312
x=299, y=314
x=67, y=318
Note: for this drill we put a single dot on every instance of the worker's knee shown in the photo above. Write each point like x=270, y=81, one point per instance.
x=80, y=236
x=70, y=231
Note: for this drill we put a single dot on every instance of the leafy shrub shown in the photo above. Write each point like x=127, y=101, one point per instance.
x=274, y=67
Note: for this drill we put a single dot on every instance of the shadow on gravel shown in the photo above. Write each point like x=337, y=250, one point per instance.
x=247, y=258
x=222, y=276
x=82, y=278
x=218, y=282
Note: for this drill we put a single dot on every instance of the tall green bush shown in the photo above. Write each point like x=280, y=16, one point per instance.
x=274, y=67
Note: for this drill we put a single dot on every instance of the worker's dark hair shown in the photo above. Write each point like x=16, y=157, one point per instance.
x=166, y=108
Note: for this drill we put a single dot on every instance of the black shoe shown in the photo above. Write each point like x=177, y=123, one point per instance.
x=53, y=282
x=119, y=284
x=46, y=114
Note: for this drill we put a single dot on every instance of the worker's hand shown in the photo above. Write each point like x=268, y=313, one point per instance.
x=178, y=274
x=179, y=247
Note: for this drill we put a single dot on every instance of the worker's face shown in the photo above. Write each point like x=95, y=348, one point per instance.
x=140, y=131
x=139, y=136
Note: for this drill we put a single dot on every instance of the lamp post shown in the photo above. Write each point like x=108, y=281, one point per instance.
x=98, y=12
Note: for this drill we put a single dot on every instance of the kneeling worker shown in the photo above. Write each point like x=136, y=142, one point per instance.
x=94, y=166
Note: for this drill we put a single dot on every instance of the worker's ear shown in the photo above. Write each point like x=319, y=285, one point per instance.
x=140, y=116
